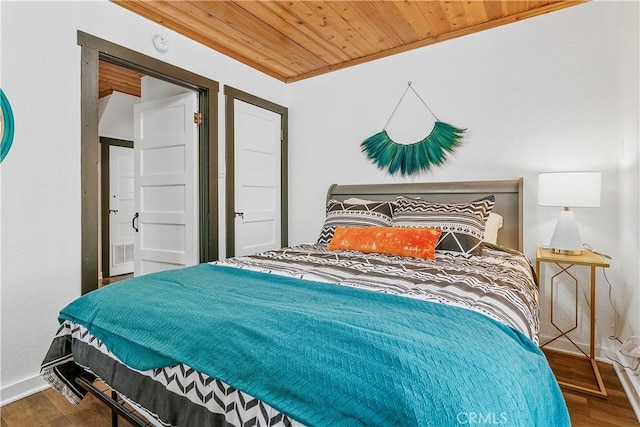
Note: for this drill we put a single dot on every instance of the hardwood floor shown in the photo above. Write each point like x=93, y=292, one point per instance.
x=50, y=409
x=586, y=410
x=113, y=279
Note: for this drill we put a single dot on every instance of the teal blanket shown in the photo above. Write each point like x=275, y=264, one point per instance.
x=327, y=355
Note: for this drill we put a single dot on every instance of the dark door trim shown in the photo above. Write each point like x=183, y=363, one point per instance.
x=94, y=49
x=231, y=94
x=105, y=189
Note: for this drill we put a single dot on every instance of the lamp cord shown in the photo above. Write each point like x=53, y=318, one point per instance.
x=617, y=326
x=617, y=323
x=616, y=318
x=629, y=368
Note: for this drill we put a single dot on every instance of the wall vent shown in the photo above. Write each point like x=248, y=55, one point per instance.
x=122, y=254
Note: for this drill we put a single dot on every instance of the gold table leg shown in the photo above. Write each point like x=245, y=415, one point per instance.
x=601, y=391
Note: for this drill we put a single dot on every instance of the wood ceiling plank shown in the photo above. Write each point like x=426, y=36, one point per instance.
x=535, y=4
x=258, y=33
x=331, y=26
x=474, y=12
x=414, y=17
x=113, y=77
x=118, y=81
x=495, y=9
x=516, y=6
x=360, y=16
x=434, y=15
x=118, y=71
x=248, y=44
x=391, y=18
x=278, y=15
x=163, y=14
x=455, y=14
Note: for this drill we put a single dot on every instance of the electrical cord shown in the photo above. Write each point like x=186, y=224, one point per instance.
x=617, y=318
x=617, y=323
x=629, y=368
x=589, y=248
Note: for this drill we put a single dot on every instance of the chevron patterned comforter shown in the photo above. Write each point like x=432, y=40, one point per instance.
x=499, y=284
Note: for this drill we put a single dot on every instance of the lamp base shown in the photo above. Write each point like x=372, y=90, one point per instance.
x=566, y=238
x=566, y=251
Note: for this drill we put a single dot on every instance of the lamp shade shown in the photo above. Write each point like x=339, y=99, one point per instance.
x=569, y=189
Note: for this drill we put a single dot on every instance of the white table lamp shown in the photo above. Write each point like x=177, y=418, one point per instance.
x=568, y=190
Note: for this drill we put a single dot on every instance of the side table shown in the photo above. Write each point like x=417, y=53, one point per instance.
x=565, y=262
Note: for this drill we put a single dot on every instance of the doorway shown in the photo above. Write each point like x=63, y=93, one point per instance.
x=148, y=173
x=257, y=173
x=93, y=50
x=116, y=206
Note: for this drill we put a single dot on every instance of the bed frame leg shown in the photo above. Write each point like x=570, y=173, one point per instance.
x=111, y=400
x=114, y=413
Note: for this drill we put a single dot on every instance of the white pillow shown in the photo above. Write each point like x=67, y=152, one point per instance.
x=356, y=201
x=491, y=227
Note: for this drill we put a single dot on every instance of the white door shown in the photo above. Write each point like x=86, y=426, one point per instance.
x=165, y=184
x=120, y=210
x=257, y=153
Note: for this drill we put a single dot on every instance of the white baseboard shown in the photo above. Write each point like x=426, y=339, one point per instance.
x=22, y=389
x=631, y=385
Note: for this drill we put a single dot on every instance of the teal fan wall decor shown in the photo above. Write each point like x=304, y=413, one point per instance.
x=408, y=159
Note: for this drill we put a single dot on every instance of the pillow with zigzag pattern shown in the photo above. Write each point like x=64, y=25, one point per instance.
x=462, y=224
x=354, y=215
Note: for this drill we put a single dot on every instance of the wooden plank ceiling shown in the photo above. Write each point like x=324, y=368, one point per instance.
x=114, y=77
x=294, y=40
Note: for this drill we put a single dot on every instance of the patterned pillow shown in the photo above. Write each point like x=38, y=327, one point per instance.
x=462, y=224
x=354, y=215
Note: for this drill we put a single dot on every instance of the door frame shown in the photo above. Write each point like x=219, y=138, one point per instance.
x=94, y=49
x=105, y=161
x=231, y=95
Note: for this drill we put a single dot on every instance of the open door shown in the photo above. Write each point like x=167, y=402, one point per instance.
x=120, y=210
x=165, y=222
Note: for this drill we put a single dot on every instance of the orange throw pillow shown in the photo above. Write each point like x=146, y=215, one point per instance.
x=403, y=241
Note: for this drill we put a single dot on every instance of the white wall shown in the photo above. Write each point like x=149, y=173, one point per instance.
x=115, y=115
x=152, y=89
x=628, y=139
x=539, y=95
x=629, y=177
x=40, y=194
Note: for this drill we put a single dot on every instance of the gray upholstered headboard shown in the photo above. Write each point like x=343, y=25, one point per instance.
x=508, y=194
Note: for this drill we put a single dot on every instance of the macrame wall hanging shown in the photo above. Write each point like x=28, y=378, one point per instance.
x=408, y=159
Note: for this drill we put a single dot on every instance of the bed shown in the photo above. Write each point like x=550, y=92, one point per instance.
x=306, y=335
